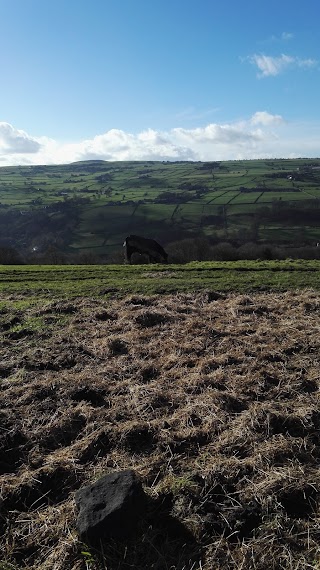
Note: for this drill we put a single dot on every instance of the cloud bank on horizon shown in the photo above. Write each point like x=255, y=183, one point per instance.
x=263, y=135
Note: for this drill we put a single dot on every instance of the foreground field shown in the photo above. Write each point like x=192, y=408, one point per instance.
x=212, y=398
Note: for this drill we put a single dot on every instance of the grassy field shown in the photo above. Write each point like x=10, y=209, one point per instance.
x=96, y=204
x=202, y=378
x=72, y=281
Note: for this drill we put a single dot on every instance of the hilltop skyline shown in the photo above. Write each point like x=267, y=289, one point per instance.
x=160, y=80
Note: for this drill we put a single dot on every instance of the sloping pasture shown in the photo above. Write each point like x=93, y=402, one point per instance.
x=97, y=199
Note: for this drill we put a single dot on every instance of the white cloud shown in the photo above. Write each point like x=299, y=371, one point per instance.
x=147, y=145
x=218, y=134
x=272, y=66
x=266, y=119
x=14, y=141
x=262, y=135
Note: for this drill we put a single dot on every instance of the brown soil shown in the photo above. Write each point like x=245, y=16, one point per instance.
x=213, y=400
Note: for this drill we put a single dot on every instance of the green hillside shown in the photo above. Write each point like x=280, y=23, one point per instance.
x=90, y=207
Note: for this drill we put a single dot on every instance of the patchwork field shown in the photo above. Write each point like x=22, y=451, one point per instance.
x=92, y=206
x=212, y=397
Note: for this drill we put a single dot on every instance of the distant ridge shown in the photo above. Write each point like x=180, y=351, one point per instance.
x=98, y=161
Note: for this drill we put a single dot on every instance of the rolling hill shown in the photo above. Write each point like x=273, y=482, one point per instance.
x=89, y=207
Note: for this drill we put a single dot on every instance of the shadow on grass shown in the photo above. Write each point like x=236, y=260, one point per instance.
x=160, y=542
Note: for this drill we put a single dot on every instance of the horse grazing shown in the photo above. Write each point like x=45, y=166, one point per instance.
x=144, y=246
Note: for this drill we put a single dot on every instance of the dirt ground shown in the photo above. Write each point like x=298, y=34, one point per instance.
x=213, y=400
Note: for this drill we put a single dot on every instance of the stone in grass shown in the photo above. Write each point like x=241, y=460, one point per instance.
x=214, y=296
x=110, y=507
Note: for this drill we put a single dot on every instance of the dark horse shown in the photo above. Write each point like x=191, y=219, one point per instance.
x=145, y=246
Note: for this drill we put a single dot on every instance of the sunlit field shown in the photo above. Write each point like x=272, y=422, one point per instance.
x=203, y=379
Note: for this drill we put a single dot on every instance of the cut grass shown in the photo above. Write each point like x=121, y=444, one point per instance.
x=213, y=399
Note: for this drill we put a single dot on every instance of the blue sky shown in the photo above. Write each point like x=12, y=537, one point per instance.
x=158, y=80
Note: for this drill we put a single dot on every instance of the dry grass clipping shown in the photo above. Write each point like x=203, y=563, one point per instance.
x=213, y=400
